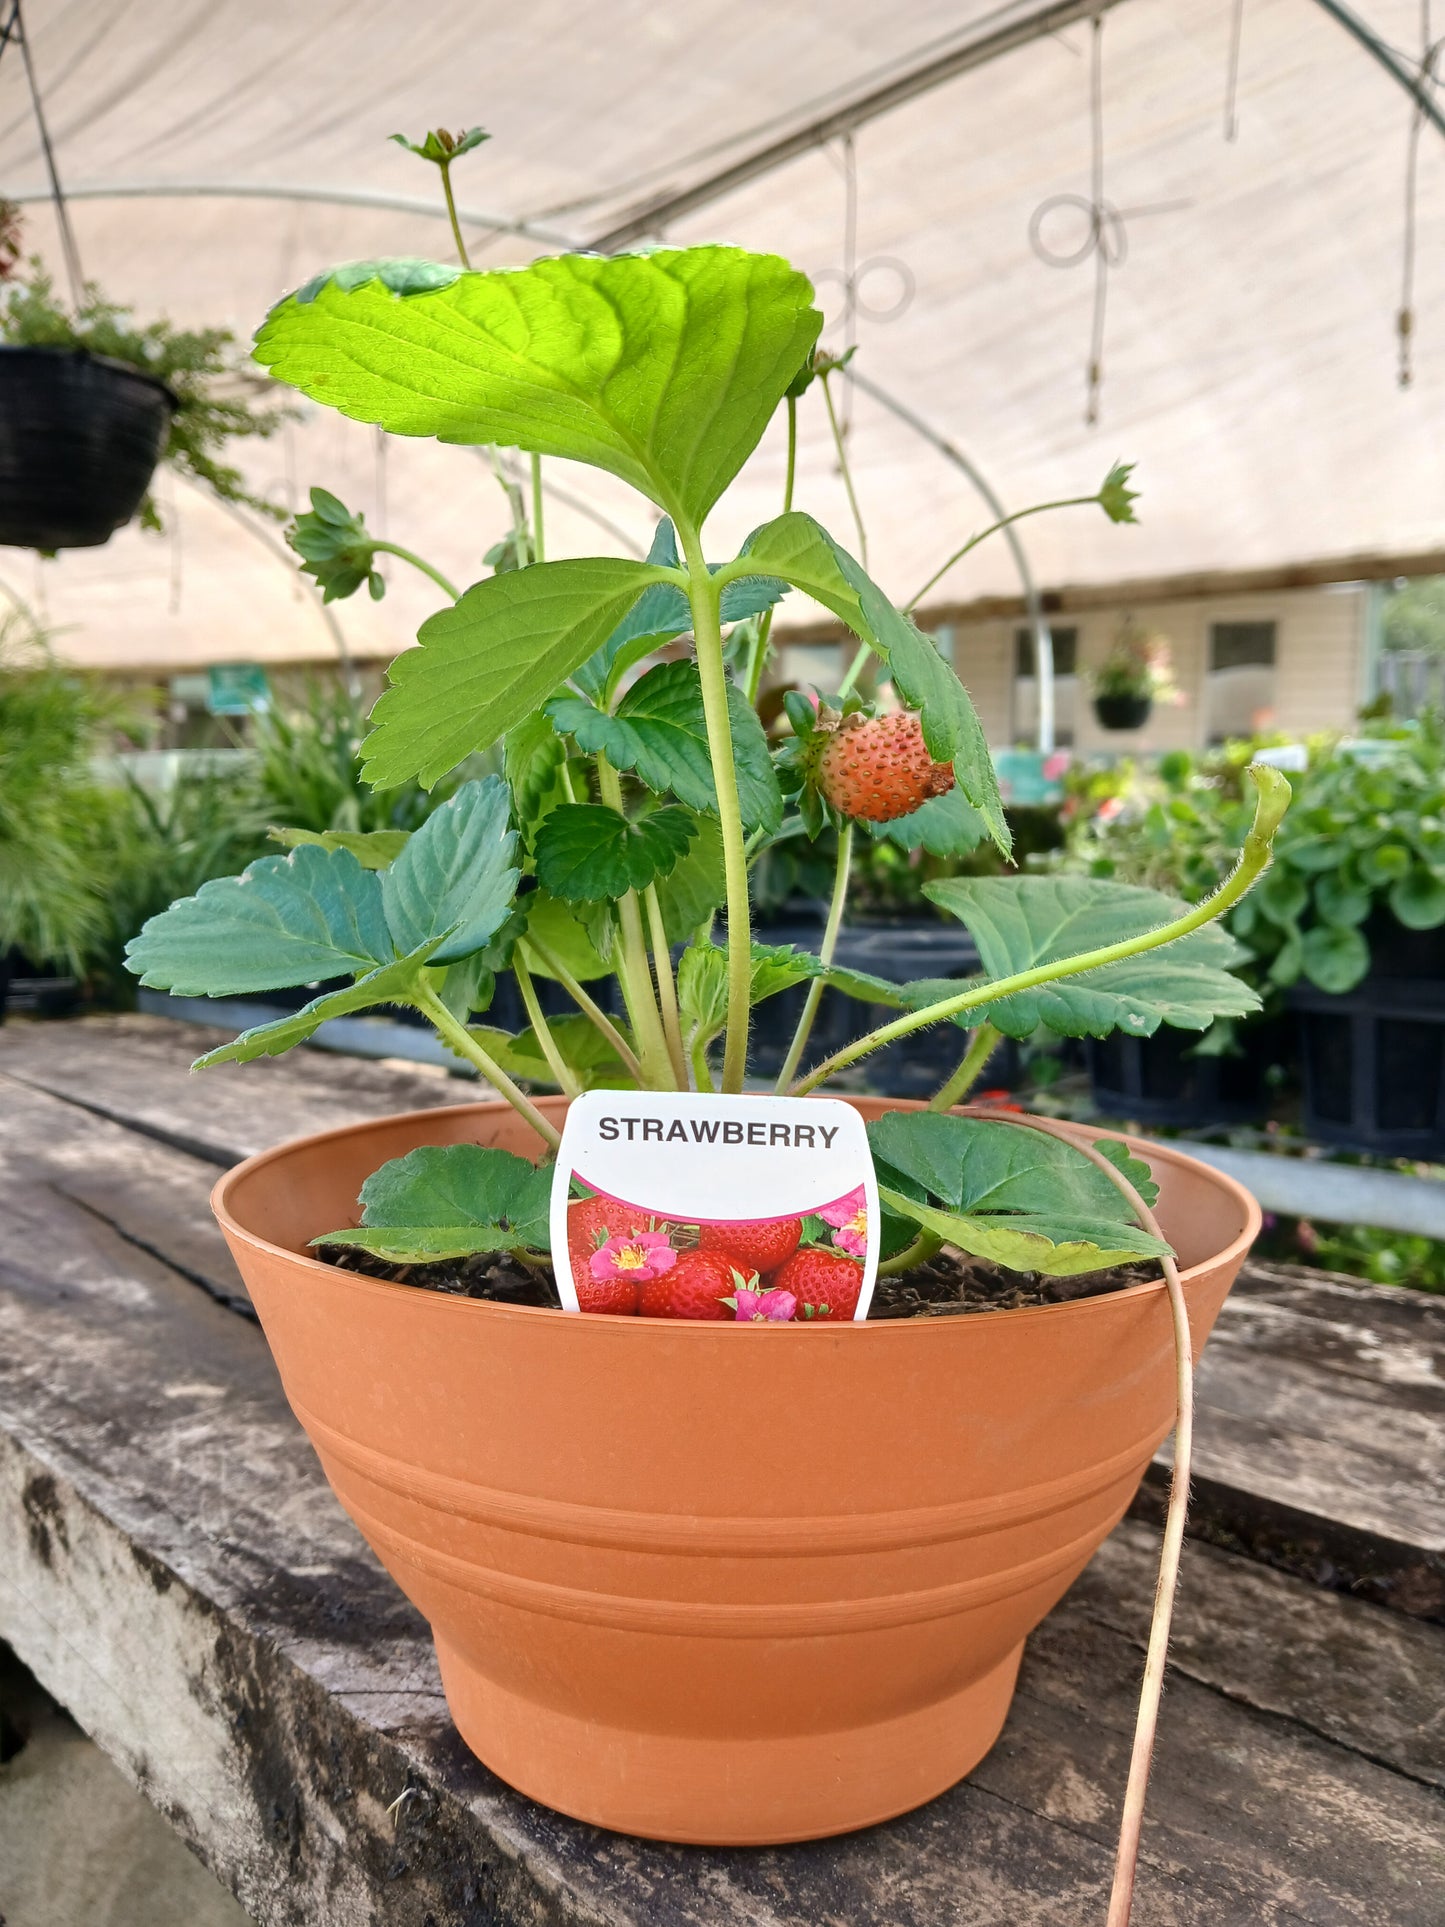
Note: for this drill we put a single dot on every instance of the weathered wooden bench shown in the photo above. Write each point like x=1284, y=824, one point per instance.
x=175, y=1571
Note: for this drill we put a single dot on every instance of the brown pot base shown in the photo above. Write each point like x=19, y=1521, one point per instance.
x=757, y=1792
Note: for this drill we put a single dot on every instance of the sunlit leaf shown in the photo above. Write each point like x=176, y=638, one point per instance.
x=456, y=874
x=448, y=1201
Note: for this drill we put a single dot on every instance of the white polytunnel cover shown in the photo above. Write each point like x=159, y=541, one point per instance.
x=932, y=164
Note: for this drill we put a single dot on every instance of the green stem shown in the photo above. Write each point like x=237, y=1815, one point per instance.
x=407, y=555
x=759, y=657
x=702, y=595
x=981, y=1046
x=825, y=955
x=702, y=1076
x=446, y=173
x=846, y=472
x=465, y=1045
x=590, y=1008
x=633, y=971
x=1272, y=802
x=666, y=986
x=1039, y=508
x=538, y=551
x=925, y=1246
x=855, y=668
x=556, y=1063
x=790, y=475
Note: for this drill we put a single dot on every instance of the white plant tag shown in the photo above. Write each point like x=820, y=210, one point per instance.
x=666, y=1199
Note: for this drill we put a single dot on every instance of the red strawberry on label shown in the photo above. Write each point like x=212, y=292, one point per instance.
x=878, y=768
x=826, y=1280
x=590, y=1223
x=616, y=1295
x=756, y=1246
x=695, y=1287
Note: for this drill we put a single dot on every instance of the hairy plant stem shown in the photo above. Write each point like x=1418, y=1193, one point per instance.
x=758, y=656
x=981, y=1046
x=1039, y=508
x=926, y=1245
x=465, y=1045
x=702, y=595
x=539, y=553
x=1273, y=799
x=1121, y=1897
x=845, y=471
x=855, y=668
x=446, y=174
x=702, y=1076
x=666, y=987
x=556, y=1063
x=634, y=973
x=589, y=1008
x=407, y=555
x=825, y=955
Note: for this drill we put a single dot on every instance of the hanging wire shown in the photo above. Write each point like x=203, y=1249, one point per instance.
x=12, y=33
x=1096, y=186
x=1425, y=83
x=1231, y=85
x=379, y=458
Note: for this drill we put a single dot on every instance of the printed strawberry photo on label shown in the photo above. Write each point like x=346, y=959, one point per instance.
x=648, y=1204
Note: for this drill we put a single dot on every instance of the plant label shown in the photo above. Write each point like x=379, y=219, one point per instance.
x=674, y=1204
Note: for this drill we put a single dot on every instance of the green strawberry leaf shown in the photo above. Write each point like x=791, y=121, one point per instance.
x=1338, y=900
x=690, y=894
x=449, y=1201
x=662, y=368
x=569, y=935
x=485, y=664
x=585, y=1051
x=660, y=613
x=455, y=879
x=944, y=826
x=1019, y=923
x=801, y=552
x=589, y=853
x=373, y=849
x=532, y=758
x=702, y=983
x=981, y=1165
x=659, y=732
x=1059, y=1247
x=285, y=920
x=391, y=983
x=1134, y=1169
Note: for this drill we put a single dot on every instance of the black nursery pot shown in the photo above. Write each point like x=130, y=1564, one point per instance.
x=80, y=436
x=1123, y=712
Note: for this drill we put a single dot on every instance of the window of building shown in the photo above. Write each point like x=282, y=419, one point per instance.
x=1239, y=693
x=1026, y=688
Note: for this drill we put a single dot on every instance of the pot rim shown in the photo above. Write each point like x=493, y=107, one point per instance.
x=439, y=1302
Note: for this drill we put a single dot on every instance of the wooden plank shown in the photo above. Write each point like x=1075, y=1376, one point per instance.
x=1321, y=1443
x=174, y=1569
x=136, y=1069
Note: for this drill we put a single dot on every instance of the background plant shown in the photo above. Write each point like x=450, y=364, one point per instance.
x=215, y=388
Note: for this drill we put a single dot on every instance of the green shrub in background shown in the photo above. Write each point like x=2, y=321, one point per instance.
x=1366, y=835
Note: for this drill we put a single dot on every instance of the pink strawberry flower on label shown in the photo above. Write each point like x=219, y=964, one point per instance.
x=639, y=1255
x=849, y=1219
x=762, y=1307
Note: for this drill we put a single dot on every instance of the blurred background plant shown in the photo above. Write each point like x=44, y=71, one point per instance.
x=1138, y=666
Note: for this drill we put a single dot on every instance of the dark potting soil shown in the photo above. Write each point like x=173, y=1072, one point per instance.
x=946, y=1287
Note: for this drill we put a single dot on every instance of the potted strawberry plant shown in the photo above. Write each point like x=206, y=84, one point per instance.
x=714, y=1560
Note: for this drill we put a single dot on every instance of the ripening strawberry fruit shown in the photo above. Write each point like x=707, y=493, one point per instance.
x=826, y=1280
x=694, y=1287
x=758, y=1246
x=879, y=768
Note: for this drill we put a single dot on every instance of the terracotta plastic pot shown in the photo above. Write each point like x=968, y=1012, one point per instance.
x=709, y=1582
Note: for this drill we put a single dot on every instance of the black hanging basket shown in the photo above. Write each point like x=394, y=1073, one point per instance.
x=1123, y=712
x=80, y=436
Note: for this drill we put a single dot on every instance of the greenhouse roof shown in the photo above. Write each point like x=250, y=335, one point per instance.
x=935, y=156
